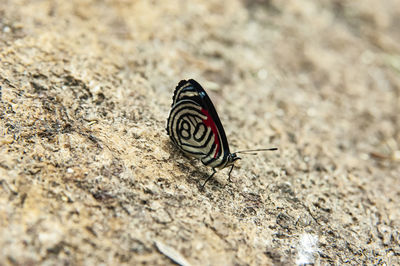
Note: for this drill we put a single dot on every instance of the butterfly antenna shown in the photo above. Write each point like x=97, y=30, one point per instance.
x=252, y=152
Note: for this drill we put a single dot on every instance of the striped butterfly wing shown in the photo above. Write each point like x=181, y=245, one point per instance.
x=194, y=126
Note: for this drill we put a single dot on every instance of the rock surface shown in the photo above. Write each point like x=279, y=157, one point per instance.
x=89, y=176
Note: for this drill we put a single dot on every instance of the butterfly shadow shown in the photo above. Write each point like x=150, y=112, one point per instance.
x=198, y=175
x=194, y=172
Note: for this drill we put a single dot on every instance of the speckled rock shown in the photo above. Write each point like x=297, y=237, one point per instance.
x=88, y=175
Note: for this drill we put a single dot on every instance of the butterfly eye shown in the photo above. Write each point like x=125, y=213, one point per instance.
x=236, y=158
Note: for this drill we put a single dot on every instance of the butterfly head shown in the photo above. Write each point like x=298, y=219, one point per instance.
x=232, y=157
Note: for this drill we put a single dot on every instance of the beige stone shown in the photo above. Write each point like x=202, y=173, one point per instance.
x=88, y=175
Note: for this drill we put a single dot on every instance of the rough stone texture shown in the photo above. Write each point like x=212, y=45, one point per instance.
x=89, y=176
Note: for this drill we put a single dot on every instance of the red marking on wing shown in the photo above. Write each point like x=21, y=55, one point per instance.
x=209, y=122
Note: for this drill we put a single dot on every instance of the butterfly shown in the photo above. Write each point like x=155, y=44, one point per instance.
x=195, y=128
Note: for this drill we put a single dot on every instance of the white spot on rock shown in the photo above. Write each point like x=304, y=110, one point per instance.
x=307, y=247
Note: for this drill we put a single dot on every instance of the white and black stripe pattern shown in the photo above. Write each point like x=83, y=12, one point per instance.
x=194, y=125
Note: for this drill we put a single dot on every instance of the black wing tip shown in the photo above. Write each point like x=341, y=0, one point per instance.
x=185, y=81
x=195, y=83
x=181, y=83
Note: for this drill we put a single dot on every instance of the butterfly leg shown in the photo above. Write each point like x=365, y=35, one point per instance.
x=229, y=175
x=208, y=178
